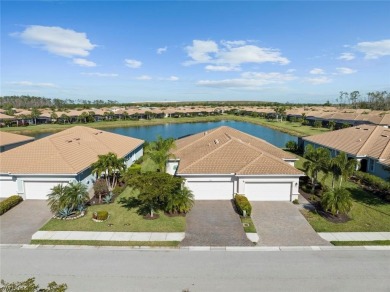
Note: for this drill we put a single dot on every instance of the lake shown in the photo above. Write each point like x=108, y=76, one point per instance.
x=149, y=133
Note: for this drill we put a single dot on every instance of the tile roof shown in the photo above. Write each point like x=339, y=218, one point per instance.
x=225, y=150
x=363, y=140
x=67, y=152
x=11, y=138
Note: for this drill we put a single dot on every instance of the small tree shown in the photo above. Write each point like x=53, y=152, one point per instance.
x=292, y=146
x=317, y=124
x=110, y=166
x=30, y=286
x=337, y=201
x=180, y=201
x=332, y=125
x=100, y=189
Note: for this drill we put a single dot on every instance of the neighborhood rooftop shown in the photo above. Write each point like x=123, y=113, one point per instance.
x=360, y=141
x=68, y=152
x=10, y=138
x=225, y=150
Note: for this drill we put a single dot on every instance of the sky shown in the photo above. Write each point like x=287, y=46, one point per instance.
x=130, y=51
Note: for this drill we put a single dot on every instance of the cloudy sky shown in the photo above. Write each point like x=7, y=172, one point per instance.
x=169, y=51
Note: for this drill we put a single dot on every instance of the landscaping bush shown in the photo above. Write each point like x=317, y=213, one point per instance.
x=100, y=215
x=9, y=203
x=374, y=184
x=292, y=146
x=118, y=190
x=242, y=204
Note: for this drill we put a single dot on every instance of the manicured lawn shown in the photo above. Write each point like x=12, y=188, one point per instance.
x=291, y=128
x=106, y=243
x=248, y=229
x=122, y=220
x=360, y=243
x=368, y=213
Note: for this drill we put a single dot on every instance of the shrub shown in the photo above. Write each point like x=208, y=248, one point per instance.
x=118, y=190
x=317, y=124
x=9, y=203
x=295, y=202
x=107, y=198
x=374, y=183
x=292, y=145
x=100, y=187
x=242, y=204
x=337, y=201
x=100, y=215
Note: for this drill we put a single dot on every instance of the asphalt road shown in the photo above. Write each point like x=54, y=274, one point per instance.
x=183, y=270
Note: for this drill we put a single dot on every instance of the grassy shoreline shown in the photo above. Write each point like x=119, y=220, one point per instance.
x=295, y=129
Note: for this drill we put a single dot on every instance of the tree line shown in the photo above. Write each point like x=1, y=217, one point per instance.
x=375, y=100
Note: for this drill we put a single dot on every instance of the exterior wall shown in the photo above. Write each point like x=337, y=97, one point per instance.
x=171, y=166
x=8, y=186
x=380, y=171
x=134, y=155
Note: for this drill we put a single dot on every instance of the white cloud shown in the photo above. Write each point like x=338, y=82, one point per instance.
x=345, y=70
x=346, y=56
x=173, y=78
x=221, y=68
x=84, y=62
x=249, y=80
x=144, y=77
x=374, y=50
x=162, y=50
x=319, y=80
x=231, y=54
x=98, y=74
x=56, y=40
x=291, y=70
x=133, y=63
x=317, y=71
x=33, y=84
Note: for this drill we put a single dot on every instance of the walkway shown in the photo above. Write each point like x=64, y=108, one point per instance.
x=281, y=224
x=23, y=220
x=214, y=223
x=354, y=236
x=108, y=236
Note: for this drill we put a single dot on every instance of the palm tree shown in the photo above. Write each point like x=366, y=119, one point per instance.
x=331, y=125
x=111, y=166
x=342, y=167
x=35, y=113
x=337, y=201
x=159, y=151
x=76, y=195
x=318, y=160
x=180, y=202
x=55, y=198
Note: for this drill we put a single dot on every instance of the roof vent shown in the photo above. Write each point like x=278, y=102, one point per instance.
x=365, y=129
x=205, y=133
x=384, y=135
x=360, y=140
x=68, y=141
x=76, y=139
x=216, y=141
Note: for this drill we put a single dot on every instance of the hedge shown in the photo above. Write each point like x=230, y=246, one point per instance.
x=242, y=204
x=9, y=203
x=374, y=183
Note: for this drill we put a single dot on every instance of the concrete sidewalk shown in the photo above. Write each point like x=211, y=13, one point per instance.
x=354, y=236
x=108, y=236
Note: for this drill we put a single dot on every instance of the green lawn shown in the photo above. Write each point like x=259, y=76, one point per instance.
x=368, y=213
x=248, y=229
x=106, y=243
x=122, y=220
x=291, y=128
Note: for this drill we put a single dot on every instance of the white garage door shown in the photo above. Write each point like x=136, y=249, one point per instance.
x=268, y=191
x=38, y=190
x=7, y=188
x=211, y=190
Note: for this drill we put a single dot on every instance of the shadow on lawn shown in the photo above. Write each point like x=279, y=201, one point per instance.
x=368, y=200
x=131, y=203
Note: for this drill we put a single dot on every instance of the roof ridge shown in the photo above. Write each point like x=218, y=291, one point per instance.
x=365, y=144
x=199, y=160
x=387, y=147
x=202, y=137
x=59, y=152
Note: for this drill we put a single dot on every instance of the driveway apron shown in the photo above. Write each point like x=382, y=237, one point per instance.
x=214, y=223
x=281, y=224
x=22, y=221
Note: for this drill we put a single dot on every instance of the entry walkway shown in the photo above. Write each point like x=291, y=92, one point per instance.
x=108, y=236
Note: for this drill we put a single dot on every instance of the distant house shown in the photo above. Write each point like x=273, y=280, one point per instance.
x=33, y=169
x=369, y=144
x=218, y=163
x=10, y=140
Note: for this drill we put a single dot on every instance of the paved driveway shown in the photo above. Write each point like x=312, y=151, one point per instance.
x=22, y=221
x=214, y=223
x=281, y=224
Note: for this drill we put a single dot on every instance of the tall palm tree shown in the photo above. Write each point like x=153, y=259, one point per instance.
x=35, y=113
x=337, y=201
x=160, y=151
x=110, y=165
x=318, y=160
x=342, y=167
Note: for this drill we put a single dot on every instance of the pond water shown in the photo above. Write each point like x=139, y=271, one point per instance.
x=149, y=133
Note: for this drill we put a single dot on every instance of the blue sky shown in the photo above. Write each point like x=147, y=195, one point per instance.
x=176, y=51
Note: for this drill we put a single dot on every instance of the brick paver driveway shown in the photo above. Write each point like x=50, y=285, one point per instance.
x=22, y=221
x=281, y=224
x=214, y=223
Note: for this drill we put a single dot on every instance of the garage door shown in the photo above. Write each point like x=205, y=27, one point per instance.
x=211, y=190
x=7, y=188
x=38, y=190
x=268, y=191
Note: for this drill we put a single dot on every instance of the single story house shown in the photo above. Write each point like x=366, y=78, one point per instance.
x=33, y=169
x=10, y=140
x=368, y=144
x=221, y=162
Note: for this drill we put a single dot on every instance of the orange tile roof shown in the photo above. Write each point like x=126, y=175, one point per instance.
x=225, y=150
x=6, y=117
x=10, y=138
x=363, y=140
x=66, y=152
